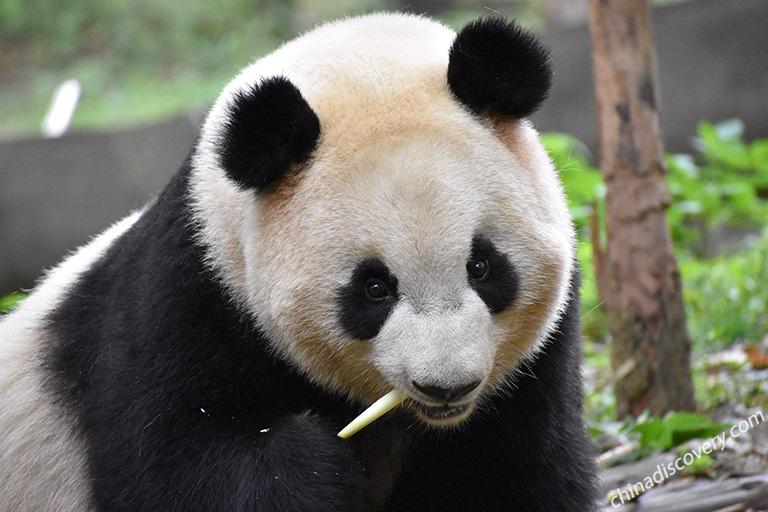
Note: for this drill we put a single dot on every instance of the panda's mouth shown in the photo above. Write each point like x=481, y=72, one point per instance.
x=443, y=414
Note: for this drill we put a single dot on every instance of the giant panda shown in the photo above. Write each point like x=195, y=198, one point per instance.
x=366, y=209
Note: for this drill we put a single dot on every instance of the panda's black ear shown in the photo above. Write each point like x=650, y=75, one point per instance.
x=498, y=69
x=269, y=127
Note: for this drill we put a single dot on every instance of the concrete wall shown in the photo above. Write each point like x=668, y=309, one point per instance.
x=55, y=194
x=713, y=66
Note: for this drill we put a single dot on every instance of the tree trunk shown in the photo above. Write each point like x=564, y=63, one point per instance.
x=637, y=274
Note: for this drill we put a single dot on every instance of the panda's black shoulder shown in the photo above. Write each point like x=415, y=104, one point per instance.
x=150, y=310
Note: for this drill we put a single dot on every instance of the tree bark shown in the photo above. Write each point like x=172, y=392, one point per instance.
x=637, y=274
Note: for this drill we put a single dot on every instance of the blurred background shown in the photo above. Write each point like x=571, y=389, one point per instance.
x=144, y=72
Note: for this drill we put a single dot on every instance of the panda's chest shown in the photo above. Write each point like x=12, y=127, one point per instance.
x=382, y=450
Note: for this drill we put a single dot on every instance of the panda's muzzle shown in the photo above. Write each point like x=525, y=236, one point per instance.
x=444, y=413
x=453, y=404
x=441, y=358
x=446, y=394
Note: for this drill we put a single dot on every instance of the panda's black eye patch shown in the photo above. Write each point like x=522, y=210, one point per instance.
x=367, y=300
x=492, y=275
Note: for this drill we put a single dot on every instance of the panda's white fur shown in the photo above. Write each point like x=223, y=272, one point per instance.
x=413, y=187
x=42, y=460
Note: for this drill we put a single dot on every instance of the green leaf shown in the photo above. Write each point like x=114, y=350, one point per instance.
x=594, y=432
x=9, y=302
x=723, y=144
x=653, y=434
x=758, y=152
x=675, y=429
x=684, y=426
x=700, y=466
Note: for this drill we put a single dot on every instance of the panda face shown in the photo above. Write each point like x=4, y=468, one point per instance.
x=440, y=348
x=431, y=262
x=452, y=274
x=411, y=243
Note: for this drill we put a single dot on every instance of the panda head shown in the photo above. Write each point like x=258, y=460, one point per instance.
x=372, y=195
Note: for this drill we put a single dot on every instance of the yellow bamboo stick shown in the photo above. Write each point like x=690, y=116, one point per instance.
x=372, y=413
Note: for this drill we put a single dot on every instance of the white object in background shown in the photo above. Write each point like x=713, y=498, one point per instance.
x=62, y=108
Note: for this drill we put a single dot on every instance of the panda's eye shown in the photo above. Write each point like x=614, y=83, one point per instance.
x=491, y=274
x=367, y=299
x=478, y=269
x=376, y=289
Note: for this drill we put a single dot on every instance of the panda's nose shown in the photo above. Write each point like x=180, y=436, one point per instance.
x=442, y=394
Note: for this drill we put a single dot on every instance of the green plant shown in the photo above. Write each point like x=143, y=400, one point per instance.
x=676, y=428
x=700, y=466
x=726, y=297
x=600, y=406
x=584, y=189
x=9, y=302
x=593, y=322
x=582, y=182
x=726, y=185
